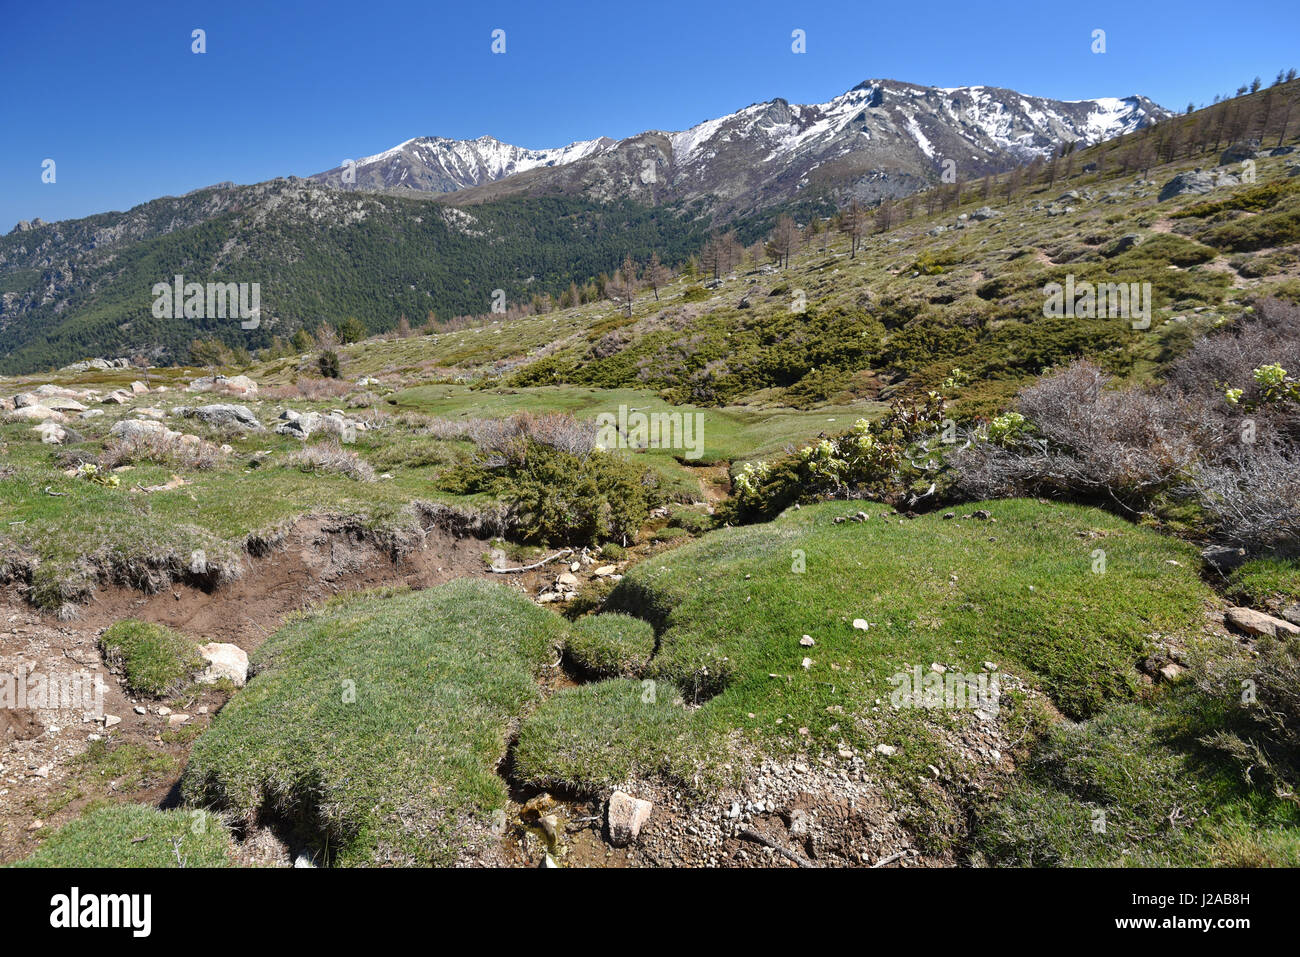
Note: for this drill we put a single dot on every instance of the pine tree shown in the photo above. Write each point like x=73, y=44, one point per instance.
x=351, y=330
x=211, y=353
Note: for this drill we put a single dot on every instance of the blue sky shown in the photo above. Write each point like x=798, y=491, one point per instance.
x=113, y=93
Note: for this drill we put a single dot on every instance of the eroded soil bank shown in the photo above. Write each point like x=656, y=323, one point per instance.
x=54, y=762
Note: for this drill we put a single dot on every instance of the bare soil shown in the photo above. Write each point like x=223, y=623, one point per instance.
x=44, y=780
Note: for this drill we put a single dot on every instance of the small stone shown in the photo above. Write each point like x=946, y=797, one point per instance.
x=1259, y=624
x=550, y=825
x=625, y=816
x=174, y=720
x=604, y=571
x=1172, y=672
x=806, y=641
x=860, y=624
x=806, y=664
x=141, y=709
x=886, y=749
x=224, y=661
x=111, y=720
x=800, y=822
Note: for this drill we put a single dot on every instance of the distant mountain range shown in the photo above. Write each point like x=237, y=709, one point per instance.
x=883, y=138
x=433, y=224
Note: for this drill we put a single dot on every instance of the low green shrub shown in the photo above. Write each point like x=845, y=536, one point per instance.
x=562, y=498
x=1256, y=199
x=879, y=460
x=1257, y=232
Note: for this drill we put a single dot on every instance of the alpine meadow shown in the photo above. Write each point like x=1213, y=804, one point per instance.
x=890, y=475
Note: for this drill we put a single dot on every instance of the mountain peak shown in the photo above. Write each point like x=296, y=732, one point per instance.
x=883, y=137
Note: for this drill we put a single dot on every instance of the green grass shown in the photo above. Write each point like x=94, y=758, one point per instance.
x=83, y=534
x=594, y=736
x=126, y=767
x=380, y=721
x=104, y=769
x=132, y=835
x=610, y=645
x=1263, y=581
x=729, y=432
x=1024, y=592
x=1133, y=787
x=730, y=611
x=154, y=659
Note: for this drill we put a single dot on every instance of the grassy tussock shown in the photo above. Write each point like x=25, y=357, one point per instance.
x=611, y=645
x=379, y=722
x=160, y=448
x=154, y=660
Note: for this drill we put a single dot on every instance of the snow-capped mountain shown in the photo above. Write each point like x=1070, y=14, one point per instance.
x=440, y=165
x=882, y=138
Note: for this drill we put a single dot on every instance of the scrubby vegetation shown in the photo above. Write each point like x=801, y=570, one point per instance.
x=1219, y=434
x=887, y=461
x=562, y=489
x=331, y=457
